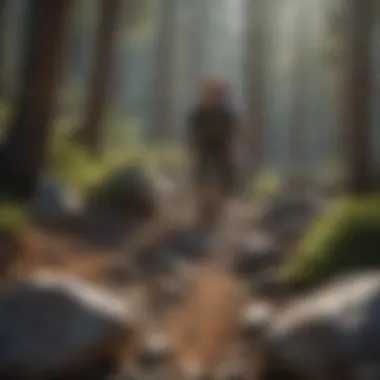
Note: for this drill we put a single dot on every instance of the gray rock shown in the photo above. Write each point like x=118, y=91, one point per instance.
x=256, y=254
x=189, y=243
x=269, y=285
x=54, y=202
x=254, y=321
x=117, y=207
x=289, y=215
x=153, y=360
x=52, y=325
x=332, y=332
x=179, y=245
x=127, y=191
x=155, y=351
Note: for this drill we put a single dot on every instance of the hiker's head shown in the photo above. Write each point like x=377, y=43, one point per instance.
x=215, y=91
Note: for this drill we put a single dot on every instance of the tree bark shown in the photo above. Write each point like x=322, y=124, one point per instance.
x=200, y=29
x=164, y=76
x=360, y=160
x=90, y=135
x=298, y=122
x=255, y=78
x=23, y=154
x=3, y=15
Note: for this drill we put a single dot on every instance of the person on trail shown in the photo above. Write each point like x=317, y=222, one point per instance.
x=212, y=131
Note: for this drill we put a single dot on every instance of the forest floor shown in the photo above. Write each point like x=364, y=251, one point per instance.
x=202, y=327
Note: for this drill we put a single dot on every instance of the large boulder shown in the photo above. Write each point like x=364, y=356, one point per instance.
x=56, y=325
x=333, y=333
x=117, y=207
x=127, y=191
x=54, y=203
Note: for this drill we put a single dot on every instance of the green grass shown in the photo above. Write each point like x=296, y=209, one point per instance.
x=347, y=238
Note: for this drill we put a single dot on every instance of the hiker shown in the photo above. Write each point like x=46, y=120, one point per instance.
x=212, y=131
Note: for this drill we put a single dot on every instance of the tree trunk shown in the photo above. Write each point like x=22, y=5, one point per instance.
x=23, y=154
x=3, y=15
x=164, y=76
x=200, y=28
x=254, y=78
x=298, y=122
x=90, y=135
x=360, y=159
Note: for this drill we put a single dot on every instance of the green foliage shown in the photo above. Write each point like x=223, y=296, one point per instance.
x=347, y=238
x=267, y=183
x=123, y=134
x=13, y=216
x=72, y=164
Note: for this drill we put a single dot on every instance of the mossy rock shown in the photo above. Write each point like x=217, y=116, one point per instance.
x=346, y=238
x=127, y=190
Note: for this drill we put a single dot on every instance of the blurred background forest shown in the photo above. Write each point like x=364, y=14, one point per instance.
x=95, y=181
x=131, y=72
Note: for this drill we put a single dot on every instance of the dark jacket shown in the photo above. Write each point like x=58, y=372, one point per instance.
x=211, y=129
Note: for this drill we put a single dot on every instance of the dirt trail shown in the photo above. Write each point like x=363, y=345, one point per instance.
x=206, y=322
x=202, y=327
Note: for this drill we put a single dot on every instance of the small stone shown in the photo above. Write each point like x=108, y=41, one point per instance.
x=254, y=320
x=155, y=351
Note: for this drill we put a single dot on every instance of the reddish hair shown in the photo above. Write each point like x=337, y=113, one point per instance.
x=216, y=88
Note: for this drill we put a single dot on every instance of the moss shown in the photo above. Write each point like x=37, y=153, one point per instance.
x=75, y=167
x=71, y=164
x=13, y=216
x=267, y=183
x=347, y=238
x=127, y=190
